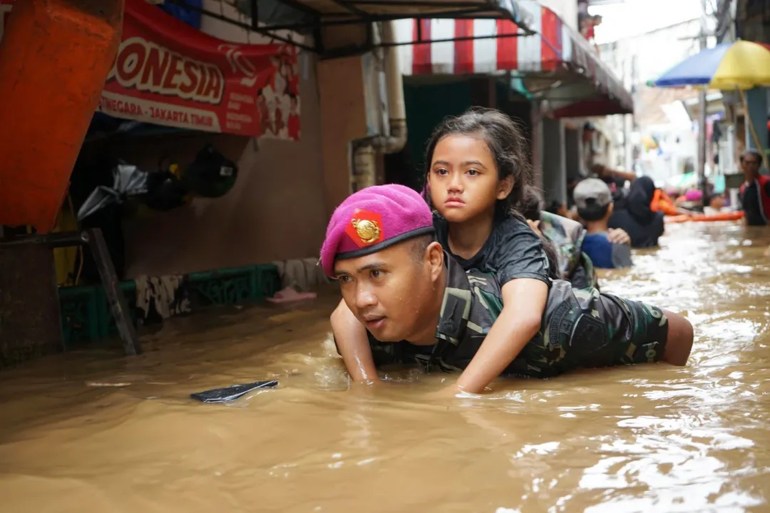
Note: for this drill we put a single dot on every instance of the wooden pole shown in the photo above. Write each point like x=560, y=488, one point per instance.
x=118, y=305
x=702, y=181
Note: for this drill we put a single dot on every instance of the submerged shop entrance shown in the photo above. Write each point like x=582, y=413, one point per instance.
x=429, y=100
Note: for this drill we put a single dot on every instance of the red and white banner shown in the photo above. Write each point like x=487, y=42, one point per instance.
x=171, y=74
x=480, y=46
x=484, y=46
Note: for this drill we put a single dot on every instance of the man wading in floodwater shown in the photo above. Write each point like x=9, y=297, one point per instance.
x=420, y=307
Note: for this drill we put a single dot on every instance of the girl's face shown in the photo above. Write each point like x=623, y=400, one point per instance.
x=463, y=180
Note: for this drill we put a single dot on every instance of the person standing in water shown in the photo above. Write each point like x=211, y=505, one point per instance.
x=477, y=172
x=634, y=214
x=593, y=199
x=755, y=190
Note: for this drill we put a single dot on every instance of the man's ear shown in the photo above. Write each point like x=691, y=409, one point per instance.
x=504, y=187
x=434, y=256
x=610, y=208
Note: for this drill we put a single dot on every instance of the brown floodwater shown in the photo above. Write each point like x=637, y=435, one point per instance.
x=93, y=432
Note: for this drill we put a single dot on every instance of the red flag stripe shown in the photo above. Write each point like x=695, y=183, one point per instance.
x=507, y=47
x=550, y=46
x=463, y=49
x=421, y=61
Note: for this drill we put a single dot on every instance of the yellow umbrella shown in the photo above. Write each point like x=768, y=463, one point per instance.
x=744, y=65
x=649, y=142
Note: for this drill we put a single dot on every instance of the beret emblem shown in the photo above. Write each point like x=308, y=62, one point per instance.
x=365, y=228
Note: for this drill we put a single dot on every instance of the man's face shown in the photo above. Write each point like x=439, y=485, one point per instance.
x=389, y=292
x=750, y=164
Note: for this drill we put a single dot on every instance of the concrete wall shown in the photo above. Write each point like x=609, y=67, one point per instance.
x=274, y=211
x=338, y=103
x=554, y=169
x=277, y=209
x=342, y=118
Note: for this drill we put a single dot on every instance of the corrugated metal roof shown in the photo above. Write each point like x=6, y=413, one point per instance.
x=396, y=9
x=309, y=17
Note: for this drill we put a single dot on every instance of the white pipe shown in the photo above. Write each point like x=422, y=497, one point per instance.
x=363, y=151
x=363, y=165
x=395, y=91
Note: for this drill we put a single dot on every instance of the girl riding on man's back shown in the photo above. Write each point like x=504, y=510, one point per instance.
x=477, y=175
x=477, y=170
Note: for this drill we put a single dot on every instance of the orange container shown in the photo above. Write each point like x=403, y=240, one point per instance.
x=54, y=59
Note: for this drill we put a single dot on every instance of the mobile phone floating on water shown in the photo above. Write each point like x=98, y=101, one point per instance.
x=231, y=393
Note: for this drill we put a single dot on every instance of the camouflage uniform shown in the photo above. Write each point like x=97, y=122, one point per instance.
x=580, y=328
x=567, y=236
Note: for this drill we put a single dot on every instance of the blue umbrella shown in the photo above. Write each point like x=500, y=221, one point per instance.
x=740, y=64
x=696, y=70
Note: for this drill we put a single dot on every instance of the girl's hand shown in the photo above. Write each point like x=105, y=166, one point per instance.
x=444, y=394
x=524, y=301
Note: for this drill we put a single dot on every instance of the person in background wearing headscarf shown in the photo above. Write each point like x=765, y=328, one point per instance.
x=634, y=215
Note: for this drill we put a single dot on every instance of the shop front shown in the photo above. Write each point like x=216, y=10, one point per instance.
x=541, y=77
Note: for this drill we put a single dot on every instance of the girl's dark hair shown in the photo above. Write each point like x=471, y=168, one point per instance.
x=505, y=141
x=531, y=203
x=530, y=207
x=753, y=153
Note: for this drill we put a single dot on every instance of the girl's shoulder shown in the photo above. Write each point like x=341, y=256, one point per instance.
x=516, y=251
x=512, y=239
x=512, y=228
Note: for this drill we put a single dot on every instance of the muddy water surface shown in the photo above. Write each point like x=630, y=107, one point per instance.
x=93, y=432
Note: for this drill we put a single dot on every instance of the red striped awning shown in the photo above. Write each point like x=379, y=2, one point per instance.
x=555, y=63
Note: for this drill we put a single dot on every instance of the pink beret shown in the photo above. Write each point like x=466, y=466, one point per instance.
x=373, y=219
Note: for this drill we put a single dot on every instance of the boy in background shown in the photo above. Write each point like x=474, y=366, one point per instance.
x=594, y=205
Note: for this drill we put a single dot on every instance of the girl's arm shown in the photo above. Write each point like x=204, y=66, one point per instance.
x=524, y=302
x=353, y=345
